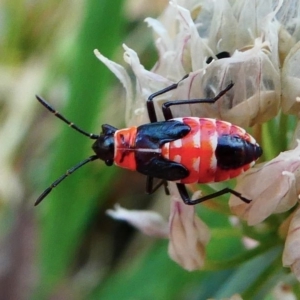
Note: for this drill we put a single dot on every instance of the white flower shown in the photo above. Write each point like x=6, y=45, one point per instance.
x=291, y=253
x=291, y=81
x=273, y=187
x=187, y=233
x=262, y=40
x=184, y=44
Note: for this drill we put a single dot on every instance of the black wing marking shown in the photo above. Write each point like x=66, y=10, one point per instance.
x=161, y=168
x=154, y=135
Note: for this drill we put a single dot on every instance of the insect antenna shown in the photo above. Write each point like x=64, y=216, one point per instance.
x=72, y=125
x=60, y=179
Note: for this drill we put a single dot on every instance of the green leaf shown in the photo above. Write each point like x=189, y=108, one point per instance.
x=151, y=275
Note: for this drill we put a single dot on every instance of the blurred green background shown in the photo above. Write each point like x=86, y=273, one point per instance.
x=67, y=248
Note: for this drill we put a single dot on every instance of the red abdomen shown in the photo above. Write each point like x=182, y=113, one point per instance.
x=209, y=150
x=201, y=152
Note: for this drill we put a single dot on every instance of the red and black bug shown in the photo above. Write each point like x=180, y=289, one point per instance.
x=184, y=150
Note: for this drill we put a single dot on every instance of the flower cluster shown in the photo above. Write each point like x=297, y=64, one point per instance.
x=260, y=41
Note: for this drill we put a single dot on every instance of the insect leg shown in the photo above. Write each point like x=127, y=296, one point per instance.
x=187, y=200
x=150, y=104
x=223, y=54
x=153, y=118
x=150, y=189
x=166, y=106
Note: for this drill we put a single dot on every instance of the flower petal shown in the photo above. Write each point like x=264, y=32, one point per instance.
x=255, y=97
x=273, y=187
x=147, y=82
x=188, y=236
x=121, y=74
x=291, y=81
x=149, y=222
x=291, y=253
